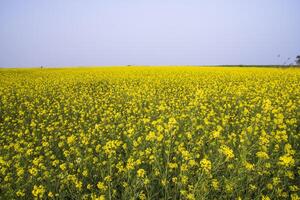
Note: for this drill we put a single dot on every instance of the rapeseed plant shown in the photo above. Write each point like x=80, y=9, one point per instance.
x=149, y=133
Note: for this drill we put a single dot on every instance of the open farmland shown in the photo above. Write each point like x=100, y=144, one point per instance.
x=150, y=133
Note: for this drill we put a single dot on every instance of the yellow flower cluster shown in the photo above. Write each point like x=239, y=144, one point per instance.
x=206, y=165
x=141, y=173
x=227, y=152
x=38, y=191
x=150, y=133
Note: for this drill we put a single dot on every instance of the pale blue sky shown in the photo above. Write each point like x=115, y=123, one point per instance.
x=148, y=32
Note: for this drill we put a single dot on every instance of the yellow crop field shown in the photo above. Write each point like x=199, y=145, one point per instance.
x=150, y=133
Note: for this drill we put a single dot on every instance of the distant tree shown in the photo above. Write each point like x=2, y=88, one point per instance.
x=298, y=60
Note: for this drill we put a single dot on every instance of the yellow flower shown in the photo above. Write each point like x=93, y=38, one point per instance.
x=215, y=184
x=151, y=136
x=262, y=155
x=33, y=171
x=227, y=152
x=295, y=196
x=286, y=161
x=276, y=181
x=50, y=194
x=265, y=197
x=216, y=134
x=190, y=196
x=205, y=165
x=184, y=167
x=294, y=188
x=63, y=166
x=78, y=184
x=38, y=191
x=89, y=186
x=85, y=173
x=20, y=193
x=229, y=188
x=248, y=166
x=141, y=173
x=174, y=179
x=252, y=187
x=142, y=196
x=172, y=165
x=101, y=197
x=288, y=149
x=146, y=181
x=71, y=139
x=20, y=172
x=107, y=179
x=101, y=186
x=270, y=186
x=192, y=163
x=184, y=179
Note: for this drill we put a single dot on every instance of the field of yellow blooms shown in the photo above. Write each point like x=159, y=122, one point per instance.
x=150, y=133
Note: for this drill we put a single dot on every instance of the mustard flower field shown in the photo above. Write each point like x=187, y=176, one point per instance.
x=150, y=133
